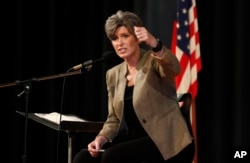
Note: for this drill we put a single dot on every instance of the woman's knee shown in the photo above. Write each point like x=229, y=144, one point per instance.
x=111, y=155
x=81, y=156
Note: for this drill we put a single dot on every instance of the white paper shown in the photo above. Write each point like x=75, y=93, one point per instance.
x=55, y=117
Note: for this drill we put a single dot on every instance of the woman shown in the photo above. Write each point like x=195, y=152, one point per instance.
x=144, y=123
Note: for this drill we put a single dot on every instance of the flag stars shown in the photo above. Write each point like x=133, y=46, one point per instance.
x=179, y=37
x=186, y=23
x=182, y=26
x=177, y=25
x=184, y=11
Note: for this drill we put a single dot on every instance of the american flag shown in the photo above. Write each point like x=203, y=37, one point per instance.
x=186, y=46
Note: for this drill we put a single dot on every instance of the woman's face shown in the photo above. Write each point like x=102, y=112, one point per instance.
x=125, y=43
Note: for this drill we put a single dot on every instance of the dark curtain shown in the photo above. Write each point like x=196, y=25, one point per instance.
x=46, y=38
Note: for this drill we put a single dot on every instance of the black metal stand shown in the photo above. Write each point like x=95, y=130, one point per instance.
x=70, y=127
x=27, y=89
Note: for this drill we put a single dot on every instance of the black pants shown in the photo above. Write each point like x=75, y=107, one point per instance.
x=141, y=150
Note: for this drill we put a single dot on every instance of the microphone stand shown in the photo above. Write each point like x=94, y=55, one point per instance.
x=27, y=89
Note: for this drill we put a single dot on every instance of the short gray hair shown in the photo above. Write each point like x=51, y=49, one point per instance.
x=122, y=18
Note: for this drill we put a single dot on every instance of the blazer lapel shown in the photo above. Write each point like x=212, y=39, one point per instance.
x=120, y=89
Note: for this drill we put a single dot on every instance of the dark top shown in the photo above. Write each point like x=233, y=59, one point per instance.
x=135, y=128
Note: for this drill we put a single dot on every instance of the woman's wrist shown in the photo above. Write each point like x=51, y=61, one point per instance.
x=158, y=46
x=103, y=138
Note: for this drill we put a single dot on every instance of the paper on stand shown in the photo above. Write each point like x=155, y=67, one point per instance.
x=55, y=117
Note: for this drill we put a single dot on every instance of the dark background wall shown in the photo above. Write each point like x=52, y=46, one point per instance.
x=43, y=38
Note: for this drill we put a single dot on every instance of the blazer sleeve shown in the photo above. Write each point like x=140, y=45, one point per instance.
x=168, y=65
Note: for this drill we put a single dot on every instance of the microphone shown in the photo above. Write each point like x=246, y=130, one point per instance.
x=88, y=64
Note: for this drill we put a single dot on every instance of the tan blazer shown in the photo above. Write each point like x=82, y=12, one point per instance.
x=154, y=99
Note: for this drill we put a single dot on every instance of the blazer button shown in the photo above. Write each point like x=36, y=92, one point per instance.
x=144, y=121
